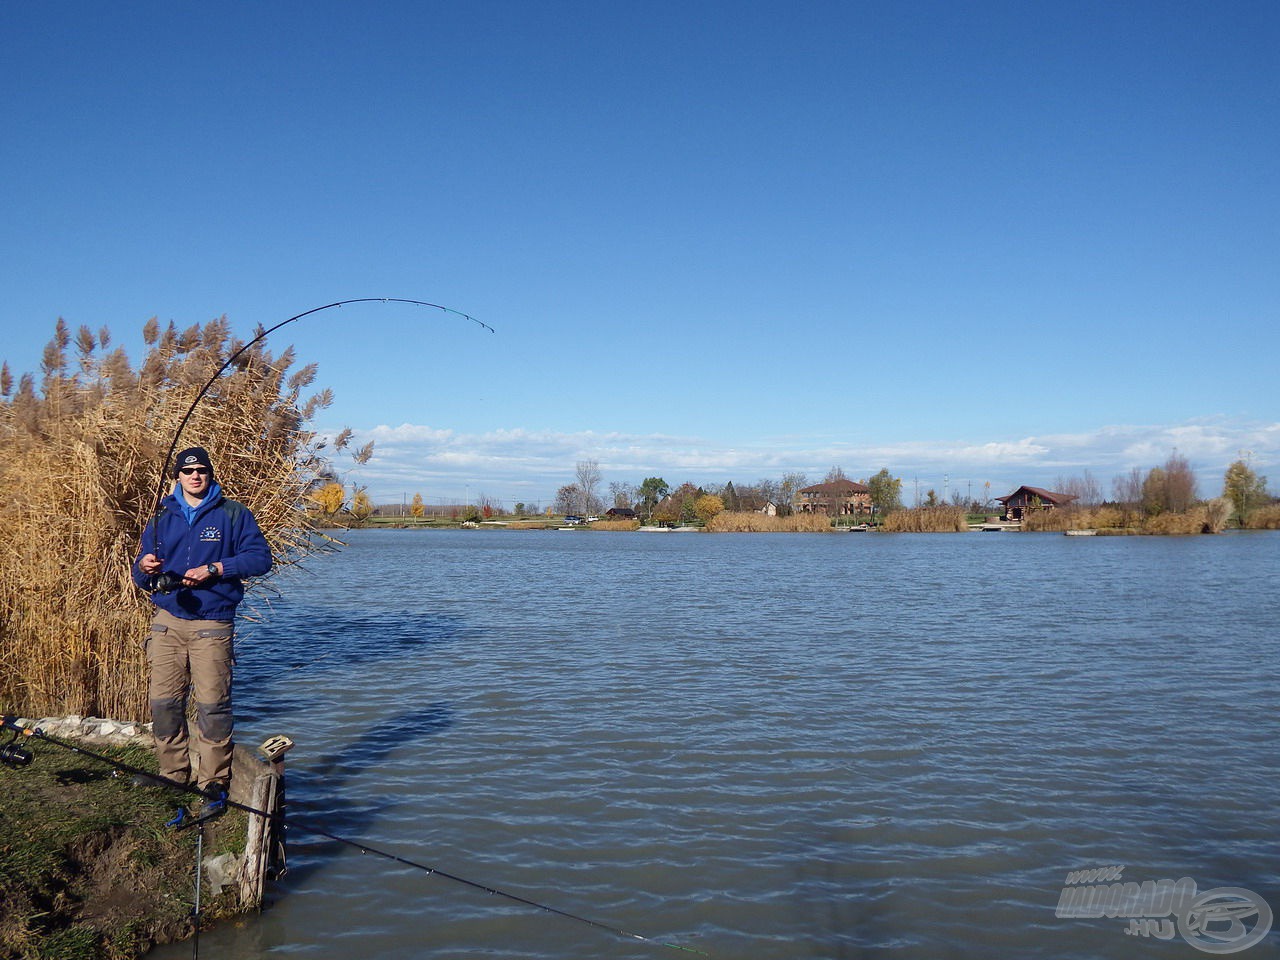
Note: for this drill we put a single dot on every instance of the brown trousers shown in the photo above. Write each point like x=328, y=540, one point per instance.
x=191, y=656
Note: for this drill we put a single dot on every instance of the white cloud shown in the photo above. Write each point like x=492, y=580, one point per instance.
x=518, y=463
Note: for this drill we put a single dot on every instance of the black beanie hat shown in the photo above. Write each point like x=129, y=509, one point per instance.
x=192, y=457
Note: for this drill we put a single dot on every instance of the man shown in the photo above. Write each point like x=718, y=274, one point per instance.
x=193, y=558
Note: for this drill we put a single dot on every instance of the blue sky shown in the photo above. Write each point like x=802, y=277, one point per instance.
x=973, y=243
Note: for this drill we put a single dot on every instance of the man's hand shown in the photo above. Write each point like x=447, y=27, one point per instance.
x=198, y=575
x=150, y=564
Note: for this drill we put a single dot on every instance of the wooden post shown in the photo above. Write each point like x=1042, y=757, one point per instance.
x=257, y=784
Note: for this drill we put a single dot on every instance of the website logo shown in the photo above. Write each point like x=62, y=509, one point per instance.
x=1221, y=920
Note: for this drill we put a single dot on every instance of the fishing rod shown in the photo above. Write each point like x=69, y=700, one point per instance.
x=173, y=445
x=14, y=725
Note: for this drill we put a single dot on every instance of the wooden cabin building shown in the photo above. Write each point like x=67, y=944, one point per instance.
x=1025, y=500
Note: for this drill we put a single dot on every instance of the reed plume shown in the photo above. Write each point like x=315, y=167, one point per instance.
x=81, y=466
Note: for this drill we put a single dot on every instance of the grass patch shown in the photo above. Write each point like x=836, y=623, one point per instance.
x=88, y=869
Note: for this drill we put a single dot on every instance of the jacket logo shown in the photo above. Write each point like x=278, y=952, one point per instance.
x=210, y=534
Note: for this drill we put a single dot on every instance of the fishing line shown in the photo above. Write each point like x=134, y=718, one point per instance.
x=12, y=723
x=173, y=446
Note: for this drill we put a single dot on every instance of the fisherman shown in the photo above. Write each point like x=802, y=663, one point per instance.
x=206, y=544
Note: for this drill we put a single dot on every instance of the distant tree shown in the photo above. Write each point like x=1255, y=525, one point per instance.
x=1180, y=483
x=416, y=507
x=834, y=474
x=1153, y=493
x=518, y=509
x=787, y=489
x=677, y=506
x=1127, y=487
x=330, y=498
x=886, y=492
x=666, y=510
x=707, y=506
x=1245, y=489
x=931, y=499
x=588, y=476
x=766, y=490
x=686, y=496
x=730, y=497
x=1170, y=488
x=622, y=494
x=650, y=494
x=567, y=498
x=1084, y=488
x=487, y=510
x=361, y=505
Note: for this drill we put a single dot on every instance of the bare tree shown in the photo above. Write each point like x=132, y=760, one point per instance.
x=1180, y=483
x=1127, y=487
x=622, y=494
x=1084, y=488
x=588, y=476
x=567, y=498
x=787, y=488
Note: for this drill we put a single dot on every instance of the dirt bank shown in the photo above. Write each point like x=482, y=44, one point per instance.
x=88, y=868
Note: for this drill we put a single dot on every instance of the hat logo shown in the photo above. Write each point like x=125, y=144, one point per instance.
x=192, y=459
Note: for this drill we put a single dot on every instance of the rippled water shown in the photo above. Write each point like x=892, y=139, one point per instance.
x=763, y=746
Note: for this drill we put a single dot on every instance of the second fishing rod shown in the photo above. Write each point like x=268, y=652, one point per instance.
x=28, y=732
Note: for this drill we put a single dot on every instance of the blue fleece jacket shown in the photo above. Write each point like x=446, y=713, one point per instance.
x=196, y=536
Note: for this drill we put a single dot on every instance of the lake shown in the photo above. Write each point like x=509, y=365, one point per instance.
x=763, y=746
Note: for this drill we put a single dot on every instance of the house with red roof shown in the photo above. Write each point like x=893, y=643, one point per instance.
x=838, y=498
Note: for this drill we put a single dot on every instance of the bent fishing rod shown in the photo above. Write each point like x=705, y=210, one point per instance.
x=16, y=756
x=177, y=434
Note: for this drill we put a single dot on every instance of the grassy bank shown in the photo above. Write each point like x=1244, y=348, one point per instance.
x=88, y=869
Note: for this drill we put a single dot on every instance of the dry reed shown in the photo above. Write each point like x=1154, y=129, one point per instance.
x=738, y=521
x=80, y=469
x=927, y=520
x=1080, y=518
x=1264, y=518
x=623, y=525
x=1208, y=517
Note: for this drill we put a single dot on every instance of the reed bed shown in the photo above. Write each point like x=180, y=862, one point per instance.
x=739, y=521
x=1081, y=518
x=82, y=465
x=927, y=520
x=623, y=525
x=1264, y=518
x=1208, y=517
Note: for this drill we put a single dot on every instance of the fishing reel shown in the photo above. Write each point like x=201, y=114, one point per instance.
x=14, y=754
x=167, y=582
